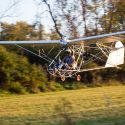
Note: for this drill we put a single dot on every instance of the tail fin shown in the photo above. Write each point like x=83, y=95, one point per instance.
x=116, y=57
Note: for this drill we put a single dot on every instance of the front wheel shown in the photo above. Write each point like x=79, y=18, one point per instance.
x=63, y=78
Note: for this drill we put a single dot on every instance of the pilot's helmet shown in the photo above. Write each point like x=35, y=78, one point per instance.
x=68, y=51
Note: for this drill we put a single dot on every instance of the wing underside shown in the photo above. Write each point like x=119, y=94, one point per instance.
x=91, y=39
x=35, y=42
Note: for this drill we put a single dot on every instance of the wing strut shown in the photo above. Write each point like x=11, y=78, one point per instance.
x=34, y=53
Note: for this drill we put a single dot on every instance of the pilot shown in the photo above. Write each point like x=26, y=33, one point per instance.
x=68, y=61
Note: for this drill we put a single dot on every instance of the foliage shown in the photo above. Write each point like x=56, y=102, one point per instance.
x=16, y=87
x=17, y=74
x=51, y=86
x=18, y=31
x=114, y=18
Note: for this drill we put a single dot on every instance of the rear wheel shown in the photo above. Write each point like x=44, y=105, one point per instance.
x=78, y=78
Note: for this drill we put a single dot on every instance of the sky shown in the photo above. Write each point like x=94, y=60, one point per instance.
x=25, y=10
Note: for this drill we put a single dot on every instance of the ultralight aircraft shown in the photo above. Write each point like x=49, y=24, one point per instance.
x=74, y=56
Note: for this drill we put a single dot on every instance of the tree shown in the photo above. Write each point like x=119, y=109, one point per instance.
x=114, y=19
x=84, y=12
x=18, y=31
x=53, y=19
x=16, y=73
x=7, y=13
x=53, y=35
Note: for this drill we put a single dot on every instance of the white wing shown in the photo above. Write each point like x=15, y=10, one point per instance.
x=97, y=36
x=32, y=42
x=44, y=42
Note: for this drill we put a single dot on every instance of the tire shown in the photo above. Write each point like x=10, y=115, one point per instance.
x=78, y=78
x=63, y=78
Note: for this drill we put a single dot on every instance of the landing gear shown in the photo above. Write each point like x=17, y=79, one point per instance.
x=78, y=78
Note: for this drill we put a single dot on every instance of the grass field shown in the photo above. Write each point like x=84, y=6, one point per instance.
x=91, y=106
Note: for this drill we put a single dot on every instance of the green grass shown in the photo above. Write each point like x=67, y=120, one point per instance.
x=91, y=106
